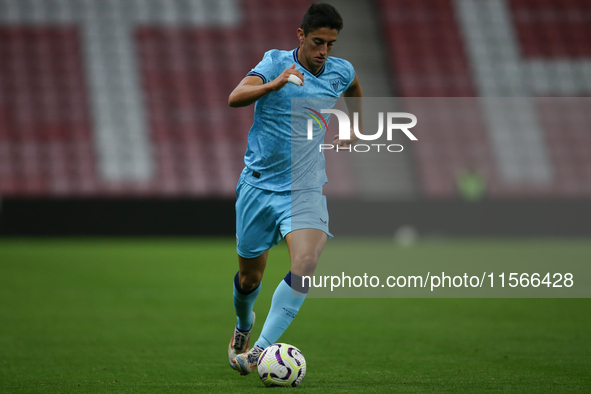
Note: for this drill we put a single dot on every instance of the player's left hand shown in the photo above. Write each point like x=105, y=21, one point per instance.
x=337, y=142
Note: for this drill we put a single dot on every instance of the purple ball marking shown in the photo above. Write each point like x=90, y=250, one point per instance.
x=278, y=357
x=290, y=353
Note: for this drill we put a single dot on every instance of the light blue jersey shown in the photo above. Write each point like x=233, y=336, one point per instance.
x=279, y=157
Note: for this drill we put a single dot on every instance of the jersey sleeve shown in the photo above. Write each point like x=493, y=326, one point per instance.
x=351, y=72
x=266, y=69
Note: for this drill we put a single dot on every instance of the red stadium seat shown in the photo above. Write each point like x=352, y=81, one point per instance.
x=428, y=56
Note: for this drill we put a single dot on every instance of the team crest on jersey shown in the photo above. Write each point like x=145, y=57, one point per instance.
x=335, y=83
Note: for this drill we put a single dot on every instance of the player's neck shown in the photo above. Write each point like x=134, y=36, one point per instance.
x=304, y=63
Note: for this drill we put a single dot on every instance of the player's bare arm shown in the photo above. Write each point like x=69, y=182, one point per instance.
x=252, y=88
x=353, y=106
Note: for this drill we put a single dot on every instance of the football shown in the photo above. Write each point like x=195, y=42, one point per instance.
x=282, y=365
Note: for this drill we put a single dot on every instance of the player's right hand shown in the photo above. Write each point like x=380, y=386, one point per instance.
x=282, y=79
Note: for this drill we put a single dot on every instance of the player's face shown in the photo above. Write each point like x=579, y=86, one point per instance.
x=316, y=46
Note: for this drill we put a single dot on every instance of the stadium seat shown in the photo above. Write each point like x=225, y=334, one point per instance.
x=428, y=55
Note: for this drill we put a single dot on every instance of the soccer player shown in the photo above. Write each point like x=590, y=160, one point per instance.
x=270, y=204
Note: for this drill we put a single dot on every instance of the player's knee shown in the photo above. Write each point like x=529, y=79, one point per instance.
x=250, y=281
x=304, y=264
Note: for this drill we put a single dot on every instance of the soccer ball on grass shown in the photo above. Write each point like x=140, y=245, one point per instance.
x=282, y=365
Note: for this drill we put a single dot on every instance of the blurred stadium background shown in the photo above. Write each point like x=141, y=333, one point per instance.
x=114, y=116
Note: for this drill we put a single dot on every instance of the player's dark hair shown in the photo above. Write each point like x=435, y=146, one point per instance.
x=321, y=15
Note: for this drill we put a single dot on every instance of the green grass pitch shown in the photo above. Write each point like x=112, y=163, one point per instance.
x=155, y=316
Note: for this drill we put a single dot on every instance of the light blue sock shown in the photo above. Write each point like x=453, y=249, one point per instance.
x=283, y=310
x=243, y=304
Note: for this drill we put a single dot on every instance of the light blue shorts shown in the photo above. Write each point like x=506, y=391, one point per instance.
x=263, y=216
